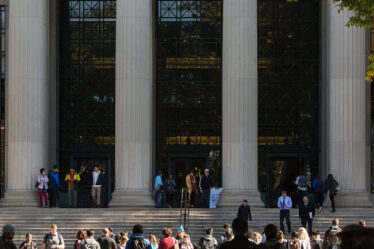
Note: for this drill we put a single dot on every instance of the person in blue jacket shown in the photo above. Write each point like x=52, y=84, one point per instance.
x=319, y=191
x=137, y=238
x=54, y=186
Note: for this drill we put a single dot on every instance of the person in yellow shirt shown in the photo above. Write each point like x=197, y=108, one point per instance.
x=72, y=178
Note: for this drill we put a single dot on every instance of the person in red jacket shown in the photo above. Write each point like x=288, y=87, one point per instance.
x=167, y=242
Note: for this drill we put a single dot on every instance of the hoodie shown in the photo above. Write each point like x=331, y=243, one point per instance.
x=138, y=236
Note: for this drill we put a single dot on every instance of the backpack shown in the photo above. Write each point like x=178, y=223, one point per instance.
x=335, y=186
x=333, y=239
x=206, y=243
x=303, y=182
x=138, y=244
x=319, y=186
x=88, y=246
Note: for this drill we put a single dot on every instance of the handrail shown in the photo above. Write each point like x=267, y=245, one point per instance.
x=185, y=209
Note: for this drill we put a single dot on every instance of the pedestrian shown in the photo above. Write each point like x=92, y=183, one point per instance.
x=205, y=185
x=294, y=241
x=153, y=240
x=280, y=239
x=53, y=240
x=96, y=181
x=208, y=241
x=167, y=242
x=271, y=238
x=117, y=238
x=6, y=239
x=226, y=231
x=137, y=240
x=302, y=188
x=332, y=186
x=362, y=223
x=356, y=237
x=304, y=239
x=180, y=233
x=240, y=241
x=159, y=189
x=316, y=242
x=72, y=179
x=306, y=214
x=28, y=244
x=123, y=241
x=81, y=235
x=192, y=188
x=186, y=243
x=170, y=187
x=319, y=191
x=54, y=186
x=89, y=242
x=43, y=188
x=285, y=205
x=105, y=241
x=331, y=240
x=244, y=211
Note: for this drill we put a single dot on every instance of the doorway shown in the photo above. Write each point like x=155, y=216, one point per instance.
x=281, y=175
x=84, y=167
x=180, y=166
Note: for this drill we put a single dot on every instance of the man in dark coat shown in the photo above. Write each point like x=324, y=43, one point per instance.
x=240, y=241
x=244, y=211
x=105, y=241
x=306, y=214
x=205, y=185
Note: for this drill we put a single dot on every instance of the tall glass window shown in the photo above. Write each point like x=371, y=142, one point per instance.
x=86, y=82
x=289, y=86
x=2, y=97
x=189, y=86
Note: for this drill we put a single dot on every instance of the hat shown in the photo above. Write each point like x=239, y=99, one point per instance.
x=180, y=229
x=8, y=228
x=245, y=201
x=206, y=170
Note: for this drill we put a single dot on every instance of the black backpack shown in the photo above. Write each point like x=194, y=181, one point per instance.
x=206, y=243
x=138, y=244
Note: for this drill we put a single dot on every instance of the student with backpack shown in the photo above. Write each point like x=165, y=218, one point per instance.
x=89, y=242
x=332, y=186
x=137, y=240
x=319, y=190
x=208, y=241
x=53, y=240
x=331, y=239
x=302, y=188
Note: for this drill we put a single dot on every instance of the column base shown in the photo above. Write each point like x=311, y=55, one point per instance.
x=20, y=199
x=235, y=198
x=351, y=199
x=131, y=199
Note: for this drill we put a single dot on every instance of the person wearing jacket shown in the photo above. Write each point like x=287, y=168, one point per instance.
x=332, y=186
x=205, y=185
x=240, y=241
x=72, y=179
x=90, y=241
x=138, y=235
x=43, y=188
x=96, y=182
x=306, y=214
x=244, y=211
x=319, y=191
x=54, y=186
x=192, y=187
x=208, y=239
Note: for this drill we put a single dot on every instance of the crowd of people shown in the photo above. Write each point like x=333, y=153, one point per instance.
x=239, y=236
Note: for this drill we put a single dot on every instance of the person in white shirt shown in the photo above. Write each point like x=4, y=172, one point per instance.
x=96, y=181
x=285, y=205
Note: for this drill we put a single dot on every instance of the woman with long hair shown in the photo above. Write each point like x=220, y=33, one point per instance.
x=81, y=235
x=154, y=241
x=332, y=186
x=304, y=239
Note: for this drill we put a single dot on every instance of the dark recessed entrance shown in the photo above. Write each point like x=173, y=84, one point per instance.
x=281, y=175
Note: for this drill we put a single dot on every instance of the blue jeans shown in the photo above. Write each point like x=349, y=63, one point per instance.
x=158, y=199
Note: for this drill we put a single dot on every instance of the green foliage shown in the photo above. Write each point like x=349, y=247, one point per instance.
x=362, y=12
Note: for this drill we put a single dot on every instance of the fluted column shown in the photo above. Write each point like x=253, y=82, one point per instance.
x=346, y=58
x=134, y=61
x=239, y=134
x=27, y=106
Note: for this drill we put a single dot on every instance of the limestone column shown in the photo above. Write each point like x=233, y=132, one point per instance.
x=134, y=59
x=239, y=129
x=27, y=107
x=346, y=156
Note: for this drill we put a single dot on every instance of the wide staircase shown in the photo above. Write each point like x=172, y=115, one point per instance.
x=37, y=221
